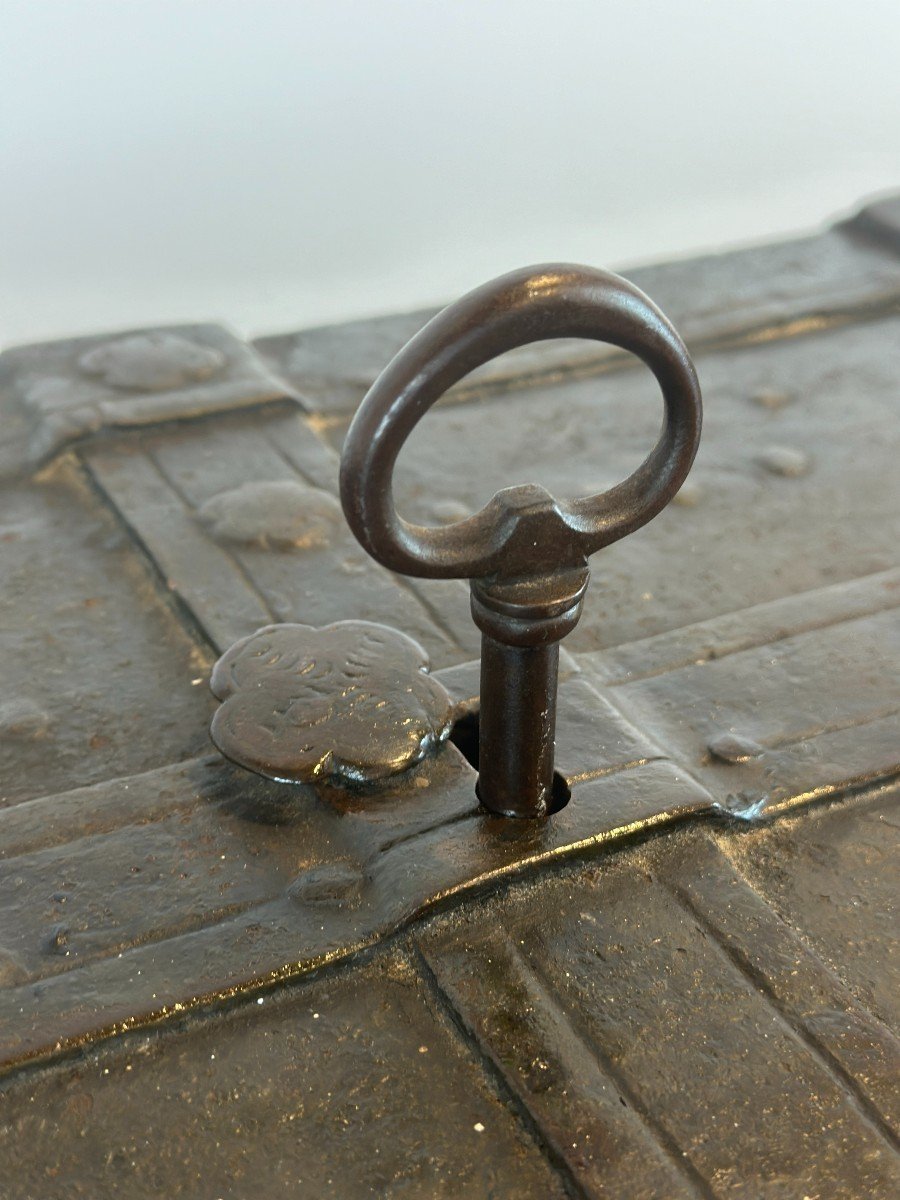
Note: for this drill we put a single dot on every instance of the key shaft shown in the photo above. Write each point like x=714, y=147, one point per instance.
x=517, y=727
x=522, y=624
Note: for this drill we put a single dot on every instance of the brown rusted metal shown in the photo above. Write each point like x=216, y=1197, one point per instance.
x=525, y=552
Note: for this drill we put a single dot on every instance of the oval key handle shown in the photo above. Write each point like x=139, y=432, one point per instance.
x=525, y=552
x=522, y=529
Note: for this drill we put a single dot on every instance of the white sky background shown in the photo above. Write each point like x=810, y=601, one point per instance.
x=280, y=163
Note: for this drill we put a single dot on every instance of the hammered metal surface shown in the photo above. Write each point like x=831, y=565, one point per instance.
x=653, y=1023
x=306, y=1096
x=94, y=657
x=749, y=534
x=673, y=1033
x=59, y=392
x=762, y=292
x=454, y=1004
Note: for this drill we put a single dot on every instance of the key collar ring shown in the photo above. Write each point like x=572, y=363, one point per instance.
x=521, y=531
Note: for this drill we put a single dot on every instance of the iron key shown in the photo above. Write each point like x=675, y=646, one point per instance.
x=525, y=553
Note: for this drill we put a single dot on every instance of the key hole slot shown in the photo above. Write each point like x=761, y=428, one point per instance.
x=464, y=736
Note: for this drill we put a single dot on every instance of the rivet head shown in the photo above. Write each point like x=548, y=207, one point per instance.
x=785, y=461
x=23, y=719
x=688, y=495
x=772, y=398
x=152, y=362
x=277, y=514
x=732, y=748
x=327, y=883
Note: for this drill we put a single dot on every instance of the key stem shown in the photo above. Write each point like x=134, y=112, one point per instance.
x=517, y=727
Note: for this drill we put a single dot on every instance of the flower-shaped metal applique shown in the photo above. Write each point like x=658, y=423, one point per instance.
x=352, y=701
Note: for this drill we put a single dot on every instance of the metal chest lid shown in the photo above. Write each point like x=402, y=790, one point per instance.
x=208, y=976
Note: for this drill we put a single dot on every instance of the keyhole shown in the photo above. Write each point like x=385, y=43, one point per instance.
x=464, y=736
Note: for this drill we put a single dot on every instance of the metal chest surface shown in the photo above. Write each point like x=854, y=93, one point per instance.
x=684, y=983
